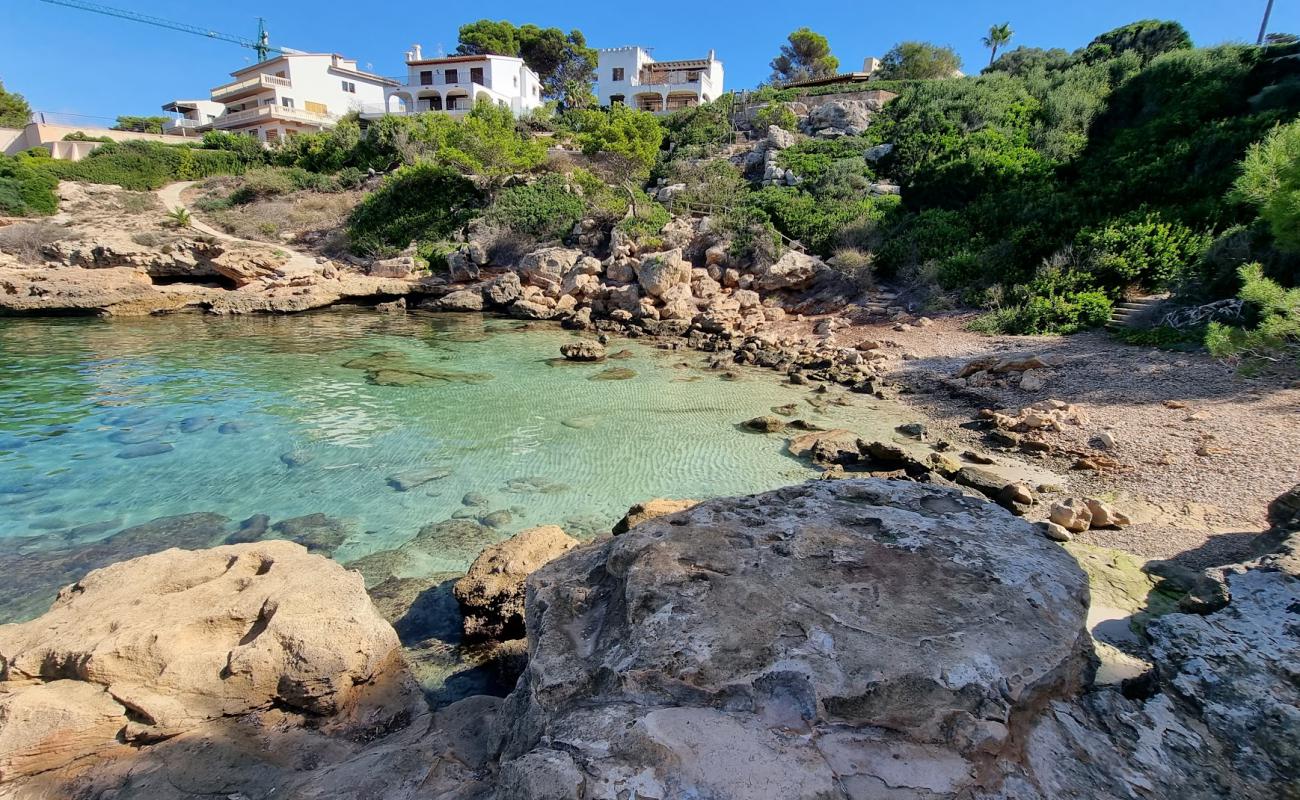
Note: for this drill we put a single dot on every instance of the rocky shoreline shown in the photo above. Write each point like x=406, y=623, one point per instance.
x=835, y=639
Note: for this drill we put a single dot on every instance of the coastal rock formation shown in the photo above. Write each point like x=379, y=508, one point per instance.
x=651, y=509
x=246, y=628
x=491, y=595
x=850, y=670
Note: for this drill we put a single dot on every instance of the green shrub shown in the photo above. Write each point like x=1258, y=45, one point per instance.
x=710, y=185
x=423, y=202
x=645, y=226
x=778, y=114
x=701, y=126
x=261, y=183
x=26, y=190
x=1143, y=251
x=1270, y=179
x=144, y=166
x=1276, y=320
x=813, y=159
x=1054, y=313
x=622, y=131
x=546, y=208
x=248, y=149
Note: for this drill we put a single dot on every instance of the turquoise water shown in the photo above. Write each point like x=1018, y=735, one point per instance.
x=381, y=423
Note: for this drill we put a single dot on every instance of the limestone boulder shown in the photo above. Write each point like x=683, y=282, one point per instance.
x=462, y=300
x=491, y=595
x=794, y=270
x=651, y=509
x=148, y=648
x=658, y=272
x=504, y=290
x=583, y=350
x=545, y=268
x=842, y=117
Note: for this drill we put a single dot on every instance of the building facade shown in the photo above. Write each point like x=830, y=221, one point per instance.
x=293, y=93
x=631, y=76
x=453, y=84
x=189, y=116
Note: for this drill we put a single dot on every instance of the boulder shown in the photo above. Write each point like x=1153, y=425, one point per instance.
x=622, y=270
x=491, y=595
x=545, y=268
x=245, y=627
x=1105, y=515
x=658, y=272
x=794, y=270
x=505, y=290
x=1072, y=514
x=462, y=300
x=583, y=350
x=779, y=138
x=823, y=640
x=399, y=267
x=461, y=267
x=846, y=117
x=765, y=424
x=651, y=509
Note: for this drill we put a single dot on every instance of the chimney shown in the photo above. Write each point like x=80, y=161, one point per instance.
x=870, y=64
x=712, y=55
x=414, y=54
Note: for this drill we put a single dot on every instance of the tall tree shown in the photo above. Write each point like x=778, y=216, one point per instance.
x=805, y=55
x=998, y=36
x=561, y=60
x=14, y=111
x=919, y=61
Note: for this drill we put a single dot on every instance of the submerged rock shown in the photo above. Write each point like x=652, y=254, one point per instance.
x=614, y=374
x=145, y=450
x=412, y=479
x=583, y=350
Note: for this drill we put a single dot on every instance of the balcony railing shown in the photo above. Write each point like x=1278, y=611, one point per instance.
x=249, y=86
x=181, y=123
x=270, y=112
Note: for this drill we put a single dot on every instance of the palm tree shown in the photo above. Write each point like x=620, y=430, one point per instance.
x=998, y=36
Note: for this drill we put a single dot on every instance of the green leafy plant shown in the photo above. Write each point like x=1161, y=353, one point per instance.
x=1270, y=179
x=179, y=217
x=419, y=203
x=778, y=114
x=547, y=208
x=1276, y=326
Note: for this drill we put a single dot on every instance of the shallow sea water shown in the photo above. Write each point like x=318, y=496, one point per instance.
x=330, y=412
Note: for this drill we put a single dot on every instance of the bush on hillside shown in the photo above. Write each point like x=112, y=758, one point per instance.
x=635, y=135
x=1142, y=251
x=1270, y=179
x=142, y=166
x=546, y=208
x=778, y=114
x=26, y=190
x=419, y=203
x=248, y=149
x=699, y=127
x=1276, y=320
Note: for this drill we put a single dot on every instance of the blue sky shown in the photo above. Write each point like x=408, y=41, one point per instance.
x=70, y=61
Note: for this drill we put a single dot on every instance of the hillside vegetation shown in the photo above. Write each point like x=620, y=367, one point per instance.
x=1042, y=190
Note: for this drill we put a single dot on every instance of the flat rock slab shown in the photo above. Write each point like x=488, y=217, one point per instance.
x=914, y=615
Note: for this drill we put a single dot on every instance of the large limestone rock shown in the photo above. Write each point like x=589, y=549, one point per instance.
x=149, y=648
x=491, y=595
x=545, y=268
x=651, y=509
x=794, y=270
x=658, y=272
x=840, y=117
x=823, y=640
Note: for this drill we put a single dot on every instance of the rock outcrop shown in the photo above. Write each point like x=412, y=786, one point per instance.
x=830, y=637
x=148, y=649
x=491, y=595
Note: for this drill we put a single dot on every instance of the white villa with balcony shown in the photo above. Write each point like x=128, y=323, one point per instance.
x=283, y=96
x=453, y=84
x=188, y=116
x=630, y=76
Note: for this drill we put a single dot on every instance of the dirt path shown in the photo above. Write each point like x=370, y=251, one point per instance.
x=170, y=197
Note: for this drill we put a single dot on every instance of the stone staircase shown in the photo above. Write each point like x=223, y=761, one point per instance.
x=879, y=302
x=1134, y=312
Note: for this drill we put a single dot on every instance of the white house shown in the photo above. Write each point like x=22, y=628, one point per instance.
x=190, y=115
x=292, y=93
x=629, y=75
x=455, y=83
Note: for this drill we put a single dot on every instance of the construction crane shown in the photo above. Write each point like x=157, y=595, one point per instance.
x=262, y=44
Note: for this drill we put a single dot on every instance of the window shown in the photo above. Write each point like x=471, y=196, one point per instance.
x=435, y=103
x=616, y=99
x=272, y=135
x=618, y=73
x=516, y=81
x=450, y=76
x=287, y=102
x=426, y=77
x=476, y=76
x=349, y=87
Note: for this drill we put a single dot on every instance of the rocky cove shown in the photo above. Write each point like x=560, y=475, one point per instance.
x=898, y=629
